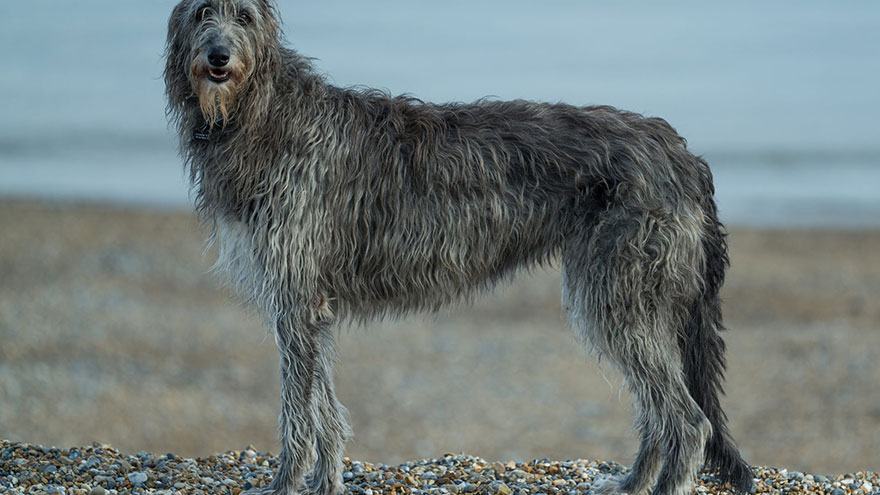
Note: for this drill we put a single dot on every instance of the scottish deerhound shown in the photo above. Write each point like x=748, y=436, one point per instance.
x=336, y=205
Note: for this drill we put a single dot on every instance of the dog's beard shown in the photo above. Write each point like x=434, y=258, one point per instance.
x=216, y=100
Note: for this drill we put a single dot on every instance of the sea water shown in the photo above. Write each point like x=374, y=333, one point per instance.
x=782, y=98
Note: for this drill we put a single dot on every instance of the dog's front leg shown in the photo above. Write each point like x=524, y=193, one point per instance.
x=332, y=427
x=298, y=343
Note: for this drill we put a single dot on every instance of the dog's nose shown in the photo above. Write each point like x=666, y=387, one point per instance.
x=218, y=56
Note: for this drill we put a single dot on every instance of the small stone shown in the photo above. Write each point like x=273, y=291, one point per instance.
x=467, y=488
x=498, y=467
x=503, y=489
x=137, y=477
x=819, y=478
x=838, y=491
x=98, y=490
x=179, y=485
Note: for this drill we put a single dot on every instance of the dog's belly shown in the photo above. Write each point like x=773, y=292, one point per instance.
x=422, y=261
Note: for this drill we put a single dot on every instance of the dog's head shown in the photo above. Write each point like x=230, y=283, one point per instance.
x=216, y=49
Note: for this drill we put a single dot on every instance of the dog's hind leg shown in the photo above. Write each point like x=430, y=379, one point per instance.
x=672, y=423
x=644, y=469
x=702, y=351
x=624, y=288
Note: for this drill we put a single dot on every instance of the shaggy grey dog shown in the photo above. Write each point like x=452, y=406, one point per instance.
x=336, y=205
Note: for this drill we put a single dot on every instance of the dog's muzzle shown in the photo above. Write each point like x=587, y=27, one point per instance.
x=218, y=57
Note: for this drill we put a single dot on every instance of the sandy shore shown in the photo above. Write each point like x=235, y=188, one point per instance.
x=112, y=330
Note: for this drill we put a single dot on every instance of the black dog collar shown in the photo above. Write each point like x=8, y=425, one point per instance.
x=203, y=132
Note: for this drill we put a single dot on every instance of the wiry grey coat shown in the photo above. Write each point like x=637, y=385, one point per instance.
x=333, y=204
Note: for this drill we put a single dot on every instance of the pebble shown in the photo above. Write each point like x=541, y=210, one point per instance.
x=137, y=478
x=102, y=470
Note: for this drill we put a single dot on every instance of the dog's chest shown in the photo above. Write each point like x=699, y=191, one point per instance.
x=237, y=257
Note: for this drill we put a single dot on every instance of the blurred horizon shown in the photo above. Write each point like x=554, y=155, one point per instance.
x=780, y=98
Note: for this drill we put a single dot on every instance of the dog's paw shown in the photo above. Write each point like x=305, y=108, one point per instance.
x=328, y=489
x=606, y=484
x=267, y=490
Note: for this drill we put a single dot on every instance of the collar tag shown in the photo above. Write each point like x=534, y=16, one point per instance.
x=202, y=134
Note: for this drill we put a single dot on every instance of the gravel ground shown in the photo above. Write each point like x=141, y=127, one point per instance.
x=101, y=469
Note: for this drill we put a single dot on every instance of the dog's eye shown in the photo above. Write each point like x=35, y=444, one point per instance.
x=243, y=19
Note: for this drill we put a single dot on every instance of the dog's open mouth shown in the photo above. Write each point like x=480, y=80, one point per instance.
x=218, y=75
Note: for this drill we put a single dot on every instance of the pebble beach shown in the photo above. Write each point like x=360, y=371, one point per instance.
x=100, y=470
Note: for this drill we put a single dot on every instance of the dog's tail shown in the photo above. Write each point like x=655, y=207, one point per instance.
x=703, y=348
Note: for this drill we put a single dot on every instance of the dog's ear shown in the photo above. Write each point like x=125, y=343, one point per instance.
x=182, y=14
x=272, y=16
x=271, y=39
x=176, y=46
x=178, y=17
